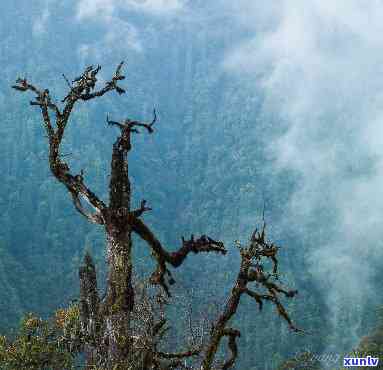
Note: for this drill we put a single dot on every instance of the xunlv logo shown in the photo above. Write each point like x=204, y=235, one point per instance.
x=360, y=361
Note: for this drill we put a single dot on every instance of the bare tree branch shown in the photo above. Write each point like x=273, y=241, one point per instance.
x=41, y=101
x=148, y=126
x=202, y=244
x=80, y=90
x=233, y=335
x=179, y=355
x=138, y=212
x=95, y=218
x=129, y=125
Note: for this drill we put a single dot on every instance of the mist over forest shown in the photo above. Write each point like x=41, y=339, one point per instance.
x=267, y=111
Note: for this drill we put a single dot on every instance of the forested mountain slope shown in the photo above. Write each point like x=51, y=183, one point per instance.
x=206, y=170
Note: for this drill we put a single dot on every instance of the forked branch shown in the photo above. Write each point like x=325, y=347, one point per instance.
x=81, y=89
x=143, y=208
x=130, y=125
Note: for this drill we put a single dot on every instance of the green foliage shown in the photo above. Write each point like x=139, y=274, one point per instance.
x=43, y=344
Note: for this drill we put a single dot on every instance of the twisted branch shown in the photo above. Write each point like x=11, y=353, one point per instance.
x=175, y=259
x=233, y=335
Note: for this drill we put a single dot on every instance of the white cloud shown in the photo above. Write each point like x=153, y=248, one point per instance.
x=319, y=65
x=101, y=8
x=93, y=8
x=119, y=36
x=156, y=6
x=119, y=32
x=40, y=23
x=122, y=34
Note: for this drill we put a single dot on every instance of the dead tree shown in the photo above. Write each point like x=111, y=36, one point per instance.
x=251, y=270
x=109, y=342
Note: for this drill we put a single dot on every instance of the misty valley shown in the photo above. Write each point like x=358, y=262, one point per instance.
x=191, y=185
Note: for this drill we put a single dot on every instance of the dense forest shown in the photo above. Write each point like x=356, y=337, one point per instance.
x=264, y=113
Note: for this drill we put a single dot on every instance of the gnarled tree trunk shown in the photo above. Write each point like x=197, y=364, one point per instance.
x=119, y=301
